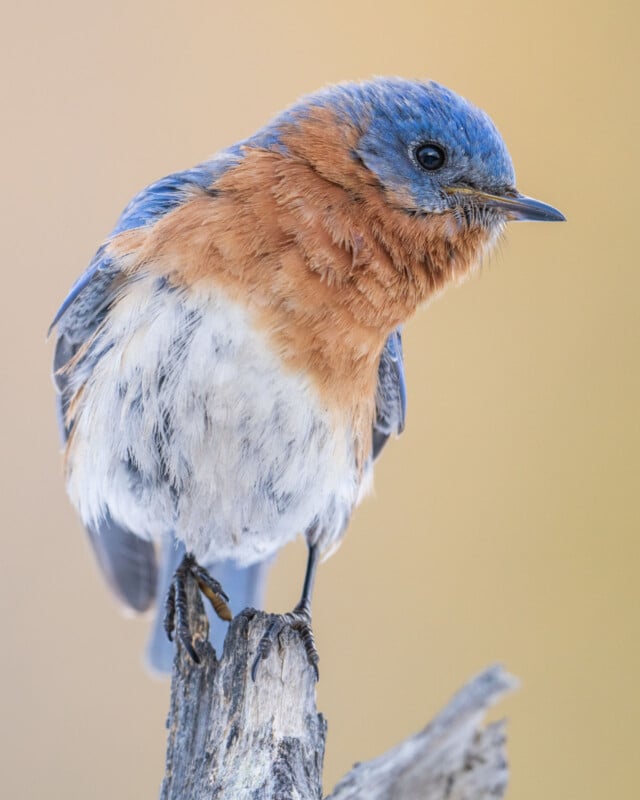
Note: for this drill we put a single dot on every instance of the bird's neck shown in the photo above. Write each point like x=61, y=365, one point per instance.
x=331, y=269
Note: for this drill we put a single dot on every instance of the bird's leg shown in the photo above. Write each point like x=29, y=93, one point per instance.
x=176, y=617
x=299, y=619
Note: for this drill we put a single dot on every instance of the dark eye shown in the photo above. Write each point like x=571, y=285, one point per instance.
x=430, y=156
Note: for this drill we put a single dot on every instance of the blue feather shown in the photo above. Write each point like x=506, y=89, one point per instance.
x=146, y=208
x=391, y=394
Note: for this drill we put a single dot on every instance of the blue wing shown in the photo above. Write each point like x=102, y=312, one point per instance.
x=146, y=208
x=91, y=295
x=391, y=394
x=127, y=561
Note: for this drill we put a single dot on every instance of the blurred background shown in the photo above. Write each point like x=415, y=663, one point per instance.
x=504, y=526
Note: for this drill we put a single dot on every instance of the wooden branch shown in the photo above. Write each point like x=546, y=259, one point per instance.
x=231, y=739
x=453, y=758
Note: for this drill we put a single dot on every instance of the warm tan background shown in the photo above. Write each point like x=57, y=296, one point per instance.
x=505, y=525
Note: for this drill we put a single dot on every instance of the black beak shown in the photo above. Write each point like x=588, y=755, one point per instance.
x=516, y=206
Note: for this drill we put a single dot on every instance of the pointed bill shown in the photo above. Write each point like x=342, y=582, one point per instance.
x=517, y=206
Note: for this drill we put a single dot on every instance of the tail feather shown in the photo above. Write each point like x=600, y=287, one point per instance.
x=244, y=585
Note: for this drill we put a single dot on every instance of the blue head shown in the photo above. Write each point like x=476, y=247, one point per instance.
x=422, y=138
x=430, y=149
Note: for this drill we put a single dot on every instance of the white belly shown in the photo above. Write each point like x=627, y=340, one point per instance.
x=189, y=423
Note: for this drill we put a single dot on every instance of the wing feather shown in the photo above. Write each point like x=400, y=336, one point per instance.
x=391, y=394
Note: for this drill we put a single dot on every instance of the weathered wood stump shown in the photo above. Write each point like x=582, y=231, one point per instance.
x=231, y=739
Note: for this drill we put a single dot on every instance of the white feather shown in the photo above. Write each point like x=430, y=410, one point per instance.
x=189, y=422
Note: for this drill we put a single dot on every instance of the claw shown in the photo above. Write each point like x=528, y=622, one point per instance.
x=170, y=611
x=176, y=618
x=300, y=620
x=266, y=643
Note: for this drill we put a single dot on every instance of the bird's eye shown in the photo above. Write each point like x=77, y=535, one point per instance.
x=430, y=156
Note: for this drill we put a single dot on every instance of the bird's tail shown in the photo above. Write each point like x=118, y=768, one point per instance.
x=244, y=585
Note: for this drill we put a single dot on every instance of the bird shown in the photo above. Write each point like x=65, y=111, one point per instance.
x=229, y=366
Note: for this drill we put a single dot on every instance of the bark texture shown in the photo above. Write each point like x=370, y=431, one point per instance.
x=232, y=739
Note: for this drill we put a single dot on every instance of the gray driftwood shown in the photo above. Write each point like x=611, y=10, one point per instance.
x=231, y=739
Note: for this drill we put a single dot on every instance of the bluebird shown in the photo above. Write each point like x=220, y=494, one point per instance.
x=230, y=366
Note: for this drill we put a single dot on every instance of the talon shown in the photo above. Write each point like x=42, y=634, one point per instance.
x=299, y=620
x=170, y=611
x=176, y=618
x=266, y=643
x=187, y=643
x=261, y=654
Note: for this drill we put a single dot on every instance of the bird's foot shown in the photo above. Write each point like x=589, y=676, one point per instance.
x=299, y=620
x=176, y=617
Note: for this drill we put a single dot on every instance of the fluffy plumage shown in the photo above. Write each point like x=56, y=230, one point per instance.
x=230, y=364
